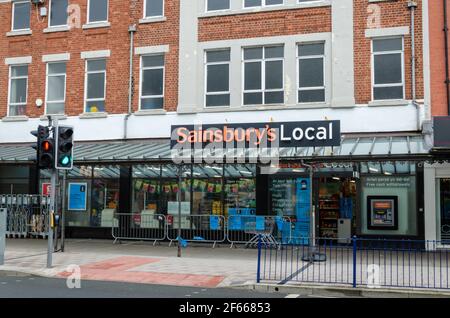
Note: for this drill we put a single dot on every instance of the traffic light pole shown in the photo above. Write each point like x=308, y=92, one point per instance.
x=51, y=212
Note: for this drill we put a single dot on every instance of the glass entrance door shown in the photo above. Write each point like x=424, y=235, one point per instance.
x=444, y=202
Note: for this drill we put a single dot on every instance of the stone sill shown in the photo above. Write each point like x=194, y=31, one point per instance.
x=14, y=118
x=152, y=20
x=93, y=115
x=149, y=112
x=96, y=25
x=19, y=33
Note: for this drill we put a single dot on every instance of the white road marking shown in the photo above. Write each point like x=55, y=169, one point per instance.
x=4, y=283
x=292, y=296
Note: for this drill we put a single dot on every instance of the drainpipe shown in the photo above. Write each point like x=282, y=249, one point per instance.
x=412, y=5
x=131, y=30
x=447, y=79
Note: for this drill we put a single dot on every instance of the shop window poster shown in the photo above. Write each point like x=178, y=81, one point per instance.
x=77, y=195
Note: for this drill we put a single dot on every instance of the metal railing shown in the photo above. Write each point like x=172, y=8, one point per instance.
x=360, y=262
x=197, y=228
x=144, y=227
x=27, y=215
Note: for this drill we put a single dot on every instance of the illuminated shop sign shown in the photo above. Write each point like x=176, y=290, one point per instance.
x=258, y=135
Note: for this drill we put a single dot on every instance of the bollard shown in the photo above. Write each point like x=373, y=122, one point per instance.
x=355, y=250
x=258, y=268
x=3, y=213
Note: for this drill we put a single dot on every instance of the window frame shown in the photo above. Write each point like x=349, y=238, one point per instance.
x=264, y=5
x=86, y=76
x=153, y=16
x=372, y=68
x=141, y=80
x=13, y=15
x=206, y=64
x=50, y=15
x=298, y=58
x=10, y=87
x=263, y=61
x=47, y=75
x=88, y=19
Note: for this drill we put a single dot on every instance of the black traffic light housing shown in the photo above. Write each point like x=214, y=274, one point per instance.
x=64, y=147
x=44, y=147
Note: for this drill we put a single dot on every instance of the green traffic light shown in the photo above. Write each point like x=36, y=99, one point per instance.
x=65, y=160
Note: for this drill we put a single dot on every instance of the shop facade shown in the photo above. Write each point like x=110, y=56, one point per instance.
x=370, y=186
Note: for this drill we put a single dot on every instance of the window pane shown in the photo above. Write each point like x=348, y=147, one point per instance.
x=252, y=3
x=55, y=108
x=153, y=60
x=388, y=68
x=96, y=65
x=218, y=56
x=311, y=49
x=274, y=52
x=18, y=90
x=56, y=88
x=96, y=85
x=218, y=100
x=310, y=96
x=95, y=106
x=218, y=78
x=253, y=53
x=152, y=82
x=17, y=110
x=274, y=74
x=252, y=76
x=387, y=45
x=252, y=98
x=58, y=12
x=218, y=4
x=154, y=8
x=19, y=70
x=388, y=92
x=21, y=16
x=152, y=103
x=272, y=2
x=274, y=97
x=57, y=68
x=98, y=10
x=311, y=72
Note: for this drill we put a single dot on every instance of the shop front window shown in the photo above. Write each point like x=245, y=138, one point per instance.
x=207, y=189
x=388, y=198
x=170, y=188
x=240, y=189
x=146, y=189
x=105, y=195
x=444, y=203
x=78, y=190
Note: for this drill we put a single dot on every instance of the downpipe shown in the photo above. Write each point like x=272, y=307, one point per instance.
x=412, y=5
x=131, y=30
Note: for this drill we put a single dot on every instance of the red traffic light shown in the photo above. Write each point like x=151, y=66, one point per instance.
x=47, y=145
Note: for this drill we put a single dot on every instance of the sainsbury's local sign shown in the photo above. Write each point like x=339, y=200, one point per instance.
x=258, y=135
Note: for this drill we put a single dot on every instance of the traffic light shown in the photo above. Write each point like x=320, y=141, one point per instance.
x=64, y=147
x=44, y=147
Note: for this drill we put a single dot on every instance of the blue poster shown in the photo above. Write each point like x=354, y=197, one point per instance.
x=214, y=223
x=77, y=196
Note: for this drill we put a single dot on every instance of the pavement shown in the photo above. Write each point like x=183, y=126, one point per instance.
x=135, y=262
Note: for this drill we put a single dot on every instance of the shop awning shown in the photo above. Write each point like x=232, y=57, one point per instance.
x=353, y=147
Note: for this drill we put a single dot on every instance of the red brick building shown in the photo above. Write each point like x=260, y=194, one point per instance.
x=359, y=62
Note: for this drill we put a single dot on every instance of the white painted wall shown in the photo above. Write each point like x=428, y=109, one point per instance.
x=353, y=120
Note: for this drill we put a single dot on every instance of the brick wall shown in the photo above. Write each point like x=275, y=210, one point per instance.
x=393, y=14
x=437, y=59
x=114, y=38
x=284, y=22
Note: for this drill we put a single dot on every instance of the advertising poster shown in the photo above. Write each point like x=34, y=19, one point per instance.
x=77, y=196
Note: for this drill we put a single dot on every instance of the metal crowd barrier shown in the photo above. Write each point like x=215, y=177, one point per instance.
x=143, y=227
x=359, y=262
x=197, y=228
x=27, y=215
x=245, y=229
